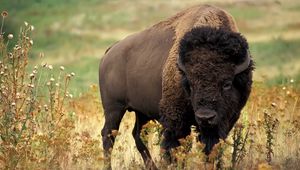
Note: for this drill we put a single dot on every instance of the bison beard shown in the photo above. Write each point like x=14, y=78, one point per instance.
x=211, y=136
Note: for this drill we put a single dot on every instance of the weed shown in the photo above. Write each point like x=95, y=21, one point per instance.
x=270, y=126
x=35, y=129
x=239, y=137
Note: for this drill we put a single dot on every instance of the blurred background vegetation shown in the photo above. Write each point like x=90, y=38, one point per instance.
x=75, y=33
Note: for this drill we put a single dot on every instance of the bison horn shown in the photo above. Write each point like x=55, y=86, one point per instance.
x=180, y=65
x=242, y=67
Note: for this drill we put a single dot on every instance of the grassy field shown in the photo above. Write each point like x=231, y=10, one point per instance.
x=54, y=119
x=72, y=31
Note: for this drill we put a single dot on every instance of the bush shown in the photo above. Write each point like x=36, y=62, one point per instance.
x=35, y=129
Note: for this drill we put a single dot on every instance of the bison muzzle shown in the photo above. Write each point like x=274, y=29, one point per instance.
x=191, y=69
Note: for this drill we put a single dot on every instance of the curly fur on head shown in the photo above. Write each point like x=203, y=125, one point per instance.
x=207, y=59
x=229, y=44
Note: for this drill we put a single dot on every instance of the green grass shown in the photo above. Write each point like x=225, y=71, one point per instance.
x=67, y=31
x=86, y=74
x=247, y=13
x=275, y=52
x=283, y=80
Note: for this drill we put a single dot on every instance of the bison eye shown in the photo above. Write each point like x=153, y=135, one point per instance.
x=227, y=85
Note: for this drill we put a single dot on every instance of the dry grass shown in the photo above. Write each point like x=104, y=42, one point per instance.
x=43, y=127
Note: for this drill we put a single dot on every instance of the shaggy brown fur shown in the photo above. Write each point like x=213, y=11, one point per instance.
x=208, y=57
x=178, y=71
x=172, y=93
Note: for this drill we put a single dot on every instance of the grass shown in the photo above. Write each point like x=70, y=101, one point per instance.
x=59, y=127
x=69, y=33
x=277, y=52
x=248, y=14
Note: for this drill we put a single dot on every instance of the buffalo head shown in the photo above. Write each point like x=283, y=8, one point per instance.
x=216, y=70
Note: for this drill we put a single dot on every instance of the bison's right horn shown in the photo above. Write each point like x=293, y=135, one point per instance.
x=180, y=65
x=242, y=67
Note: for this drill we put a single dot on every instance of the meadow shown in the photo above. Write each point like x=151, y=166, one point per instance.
x=51, y=116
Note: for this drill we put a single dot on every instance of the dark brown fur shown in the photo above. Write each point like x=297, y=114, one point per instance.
x=141, y=74
x=208, y=57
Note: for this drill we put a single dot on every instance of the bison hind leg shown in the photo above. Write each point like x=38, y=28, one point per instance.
x=113, y=116
x=140, y=121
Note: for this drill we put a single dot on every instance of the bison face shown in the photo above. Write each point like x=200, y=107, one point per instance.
x=216, y=72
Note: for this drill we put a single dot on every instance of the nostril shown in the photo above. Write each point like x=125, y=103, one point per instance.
x=206, y=116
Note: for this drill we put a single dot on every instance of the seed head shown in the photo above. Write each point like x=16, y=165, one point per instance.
x=72, y=74
x=50, y=67
x=10, y=55
x=62, y=68
x=31, y=76
x=17, y=47
x=52, y=79
x=31, y=27
x=31, y=85
x=42, y=54
x=44, y=64
x=4, y=14
x=25, y=23
x=31, y=42
x=46, y=108
x=10, y=36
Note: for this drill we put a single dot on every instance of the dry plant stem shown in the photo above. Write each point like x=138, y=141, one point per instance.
x=243, y=149
x=239, y=143
x=63, y=99
x=294, y=107
x=2, y=24
x=270, y=125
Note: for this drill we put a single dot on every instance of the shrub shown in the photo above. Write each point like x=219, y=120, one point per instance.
x=35, y=129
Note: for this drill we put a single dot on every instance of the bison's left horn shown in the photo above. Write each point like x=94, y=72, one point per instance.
x=242, y=67
x=180, y=65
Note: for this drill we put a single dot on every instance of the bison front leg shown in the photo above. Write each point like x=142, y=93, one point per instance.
x=176, y=125
x=175, y=109
x=140, y=121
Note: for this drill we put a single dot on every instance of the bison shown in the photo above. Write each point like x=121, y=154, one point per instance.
x=191, y=69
